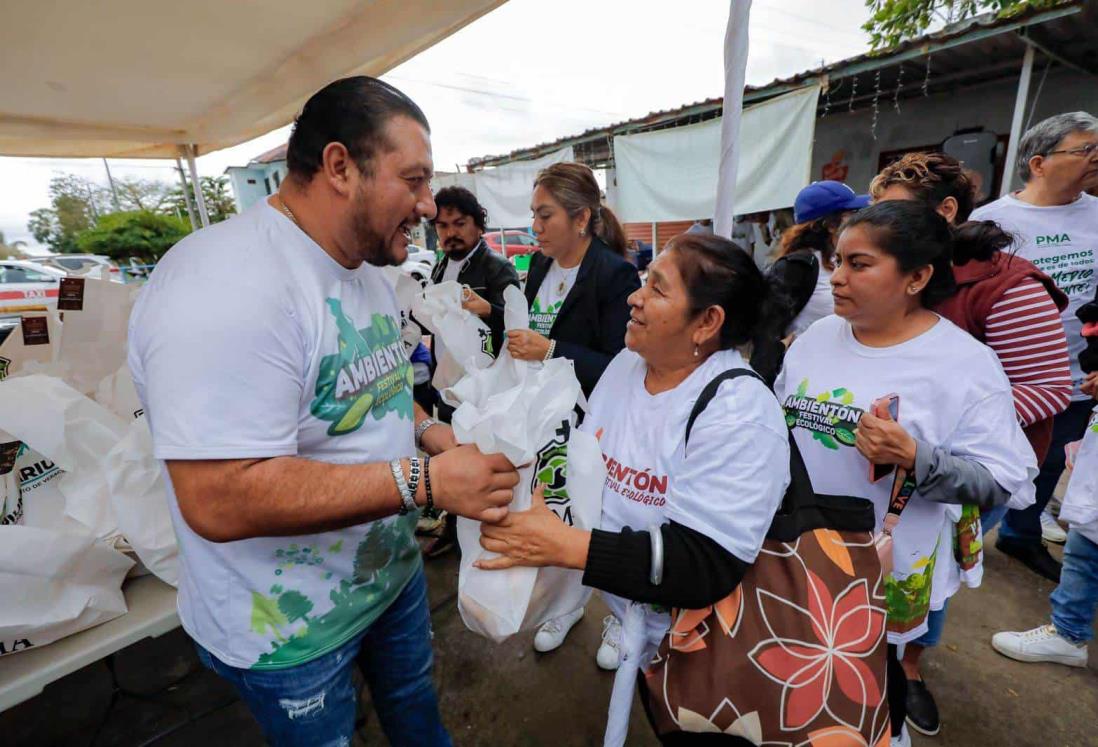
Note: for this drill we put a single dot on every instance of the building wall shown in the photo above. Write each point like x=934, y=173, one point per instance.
x=923, y=121
x=254, y=182
x=248, y=186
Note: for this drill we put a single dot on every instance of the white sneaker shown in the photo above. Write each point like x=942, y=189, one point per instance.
x=1040, y=644
x=904, y=740
x=551, y=634
x=609, y=654
x=1051, y=531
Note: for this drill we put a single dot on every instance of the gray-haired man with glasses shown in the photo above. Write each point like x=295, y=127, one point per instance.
x=1055, y=223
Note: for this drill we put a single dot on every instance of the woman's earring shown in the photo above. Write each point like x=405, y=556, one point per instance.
x=583, y=232
x=695, y=351
x=912, y=290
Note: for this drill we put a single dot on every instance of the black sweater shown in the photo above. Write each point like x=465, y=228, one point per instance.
x=697, y=571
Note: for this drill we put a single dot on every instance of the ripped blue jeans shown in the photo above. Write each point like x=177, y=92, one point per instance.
x=313, y=704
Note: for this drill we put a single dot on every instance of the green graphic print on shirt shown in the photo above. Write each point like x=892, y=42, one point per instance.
x=384, y=559
x=829, y=416
x=369, y=374
x=908, y=601
x=541, y=320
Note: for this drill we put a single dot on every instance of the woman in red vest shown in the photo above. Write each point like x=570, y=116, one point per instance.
x=1008, y=304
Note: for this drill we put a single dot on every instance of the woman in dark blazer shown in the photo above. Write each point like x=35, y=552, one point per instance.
x=578, y=284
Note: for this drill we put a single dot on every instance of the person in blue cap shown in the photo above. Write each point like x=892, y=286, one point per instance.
x=806, y=256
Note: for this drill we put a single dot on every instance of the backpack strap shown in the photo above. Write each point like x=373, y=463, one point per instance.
x=800, y=494
x=710, y=391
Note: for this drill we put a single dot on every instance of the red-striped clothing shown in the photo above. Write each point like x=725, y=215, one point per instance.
x=1025, y=330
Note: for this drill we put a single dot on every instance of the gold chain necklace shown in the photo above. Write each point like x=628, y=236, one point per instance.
x=286, y=209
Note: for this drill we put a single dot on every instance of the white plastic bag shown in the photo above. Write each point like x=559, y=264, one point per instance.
x=407, y=290
x=139, y=500
x=54, y=584
x=467, y=341
x=85, y=469
x=526, y=411
x=1080, y=507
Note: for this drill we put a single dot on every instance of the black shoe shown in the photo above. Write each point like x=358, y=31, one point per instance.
x=1034, y=555
x=922, y=711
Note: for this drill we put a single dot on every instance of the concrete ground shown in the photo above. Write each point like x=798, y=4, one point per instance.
x=506, y=695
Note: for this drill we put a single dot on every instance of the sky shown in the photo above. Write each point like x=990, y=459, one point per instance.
x=532, y=71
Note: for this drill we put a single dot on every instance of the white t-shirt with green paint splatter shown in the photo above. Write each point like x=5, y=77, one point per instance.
x=554, y=289
x=250, y=341
x=953, y=393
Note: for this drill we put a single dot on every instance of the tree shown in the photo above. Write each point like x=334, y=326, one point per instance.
x=144, y=194
x=219, y=202
x=137, y=233
x=893, y=21
x=75, y=204
x=295, y=606
x=14, y=250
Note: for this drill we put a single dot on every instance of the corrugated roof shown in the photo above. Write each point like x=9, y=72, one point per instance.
x=971, y=30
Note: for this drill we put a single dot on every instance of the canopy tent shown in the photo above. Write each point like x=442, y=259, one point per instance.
x=672, y=174
x=140, y=79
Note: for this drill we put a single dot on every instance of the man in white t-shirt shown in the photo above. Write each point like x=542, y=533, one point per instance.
x=1055, y=223
x=266, y=351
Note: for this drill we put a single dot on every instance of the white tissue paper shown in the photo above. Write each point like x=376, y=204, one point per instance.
x=526, y=411
x=467, y=340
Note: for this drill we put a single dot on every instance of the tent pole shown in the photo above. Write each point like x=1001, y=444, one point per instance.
x=1016, y=122
x=655, y=235
x=735, y=69
x=186, y=194
x=196, y=186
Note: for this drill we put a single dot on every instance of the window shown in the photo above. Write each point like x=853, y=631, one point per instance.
x=71, y=263
x=23, y=275
x=278, y=179
x=267, y=184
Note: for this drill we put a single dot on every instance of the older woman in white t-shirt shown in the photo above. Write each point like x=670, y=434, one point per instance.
x=712, y=505
x=954, y=439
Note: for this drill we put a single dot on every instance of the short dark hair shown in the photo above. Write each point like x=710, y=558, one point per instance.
x=916, y=235
x=463, y=201
x=930, y=177
x=353, y=112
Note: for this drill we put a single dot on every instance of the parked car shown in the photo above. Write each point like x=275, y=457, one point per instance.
x=27, y=286
x=518, y=242
x=82, y=264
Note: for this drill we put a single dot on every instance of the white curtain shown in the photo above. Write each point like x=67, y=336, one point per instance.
x=673, y=174
x=505, y=190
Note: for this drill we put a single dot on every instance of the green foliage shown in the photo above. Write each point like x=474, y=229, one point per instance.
x=75, y=204
x=219, y=200
x=894, y=21
x=14, y=250
x=137, y=233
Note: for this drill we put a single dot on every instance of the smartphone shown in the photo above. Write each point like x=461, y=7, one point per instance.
x=889, y=403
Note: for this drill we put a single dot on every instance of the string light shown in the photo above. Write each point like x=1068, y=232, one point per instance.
x=853, y=92
x=876, y=99
x=899, y=85
x=926, y=80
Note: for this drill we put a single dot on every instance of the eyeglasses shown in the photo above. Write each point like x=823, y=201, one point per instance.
x=1085, y=151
